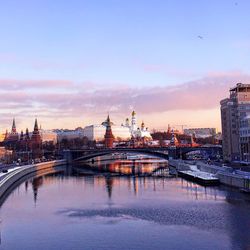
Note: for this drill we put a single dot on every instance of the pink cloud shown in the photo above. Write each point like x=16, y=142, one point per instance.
x=204, y=93
x=74, y=100
x=12, y=84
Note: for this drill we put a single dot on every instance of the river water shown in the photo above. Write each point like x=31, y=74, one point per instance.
x=65, y=211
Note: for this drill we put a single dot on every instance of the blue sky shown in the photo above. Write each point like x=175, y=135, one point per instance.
x=133, y=44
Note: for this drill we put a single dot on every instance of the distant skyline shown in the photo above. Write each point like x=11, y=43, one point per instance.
x=69, y=63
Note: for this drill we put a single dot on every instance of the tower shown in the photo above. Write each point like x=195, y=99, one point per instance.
x=12, y=138
x=6, y=136
x=169, y=129
x=127, y=122
x=36, y=142
x=21, y=144
x=27, y=136
x=173, y=141
x=109, y=137
x=142, y=126
x=192, y=140
x=133, y=122
x=21, y=136
x=13, y=130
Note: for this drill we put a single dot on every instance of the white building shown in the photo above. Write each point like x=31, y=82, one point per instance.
x=97, y=132
x=69, y=134
x=135, y=130
x=123, y=132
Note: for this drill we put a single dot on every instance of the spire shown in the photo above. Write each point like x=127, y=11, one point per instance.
x=108, y=121
x=36, y=126
x=21, y=136
x=13, y=130
x=27, y=136
x=6, y=135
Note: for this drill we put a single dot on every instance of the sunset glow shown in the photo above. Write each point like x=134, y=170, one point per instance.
x=69, y=64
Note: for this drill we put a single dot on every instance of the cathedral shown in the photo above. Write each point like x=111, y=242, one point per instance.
x=124, y=132
x=135, y=131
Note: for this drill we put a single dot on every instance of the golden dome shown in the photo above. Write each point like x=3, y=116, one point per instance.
x=133, y=113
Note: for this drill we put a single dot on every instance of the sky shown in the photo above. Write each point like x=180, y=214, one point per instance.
x=70, y=63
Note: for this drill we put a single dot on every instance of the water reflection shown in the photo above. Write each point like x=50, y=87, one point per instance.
x=36, y=183
x=109, y=185
x=141, y=166
x=137, y=184
x=123, y=212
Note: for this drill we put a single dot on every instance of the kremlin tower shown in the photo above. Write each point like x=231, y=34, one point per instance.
x=36, y=142
x=21, y=141
x=24, y=145
x=109, y=137
x=27, y=135
x=12, y=138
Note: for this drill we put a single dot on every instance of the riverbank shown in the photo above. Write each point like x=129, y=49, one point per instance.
x=16, y=174
x=226, y=175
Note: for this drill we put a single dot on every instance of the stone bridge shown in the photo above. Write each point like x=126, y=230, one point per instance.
x=164, y=152
x=82, y=155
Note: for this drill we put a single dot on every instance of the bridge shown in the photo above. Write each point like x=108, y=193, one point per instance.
x=83, y=155
x=163, y=152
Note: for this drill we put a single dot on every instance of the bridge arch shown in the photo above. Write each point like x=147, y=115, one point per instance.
x=103, y=152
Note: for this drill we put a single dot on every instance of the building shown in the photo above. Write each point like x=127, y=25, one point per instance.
x=108, y=137
x=36, y=142
x=200, y=132
x=11, y=139
x=124, y=132
x=97, y=132
x=135, y=130
x=69, y=134
x=235, y=123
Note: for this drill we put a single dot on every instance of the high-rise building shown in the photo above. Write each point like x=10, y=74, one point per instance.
x=235, y=122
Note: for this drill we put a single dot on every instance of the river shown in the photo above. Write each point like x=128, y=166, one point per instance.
x=71, y=211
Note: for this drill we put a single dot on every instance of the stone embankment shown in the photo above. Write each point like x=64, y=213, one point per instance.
x=13, y=176
x=226, y=175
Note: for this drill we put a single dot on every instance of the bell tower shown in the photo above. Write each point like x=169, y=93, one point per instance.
x=133, y=122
